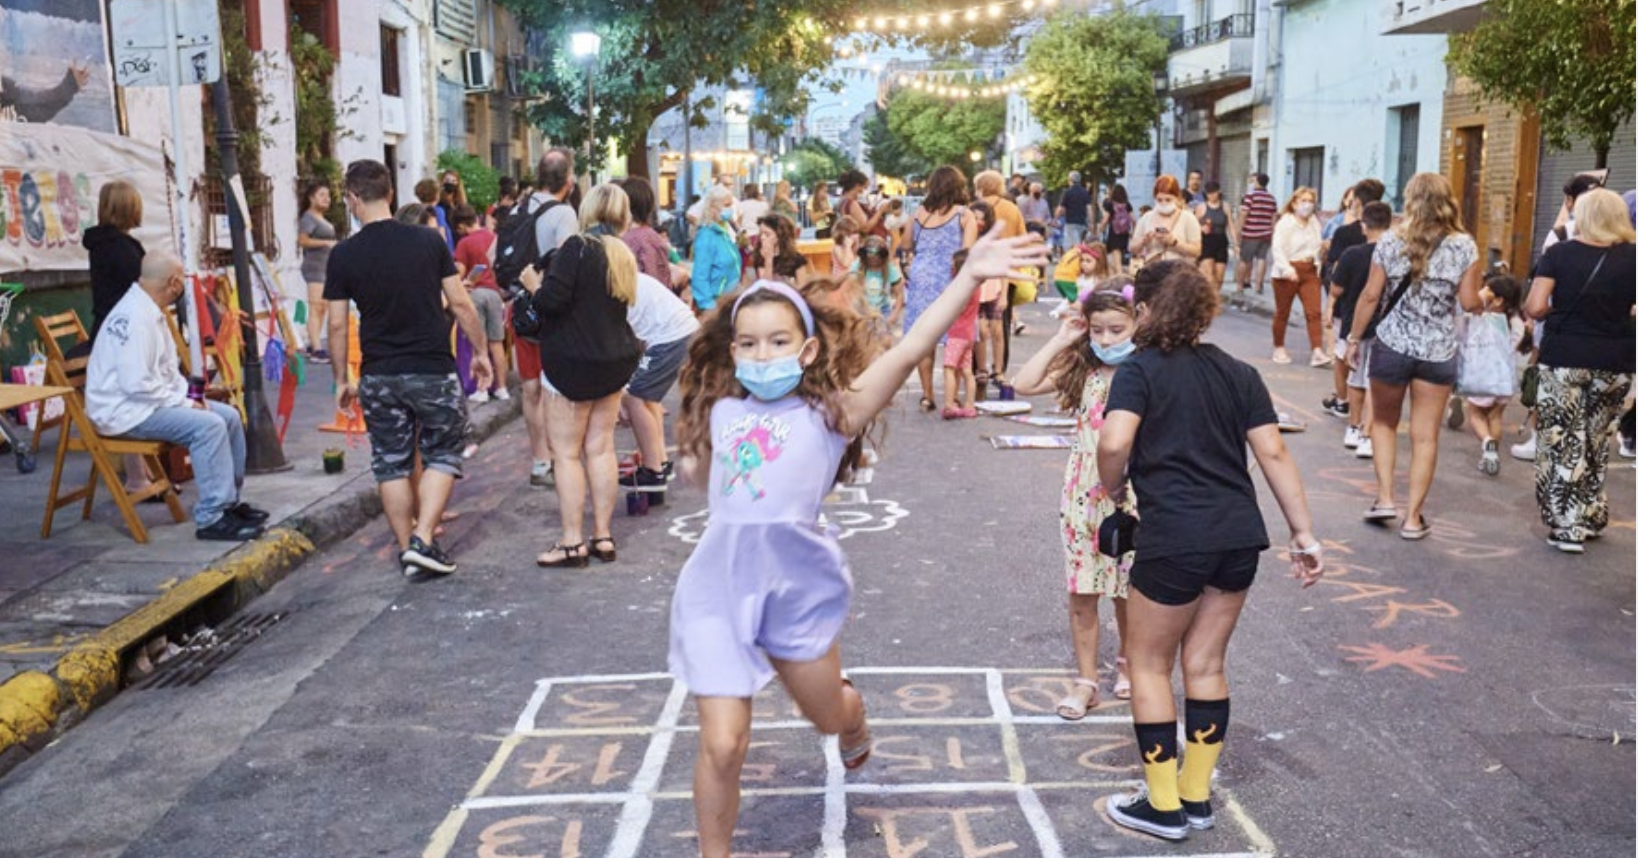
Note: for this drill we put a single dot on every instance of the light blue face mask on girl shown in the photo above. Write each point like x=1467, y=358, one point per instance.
x=1113, y=355
x=769, y=380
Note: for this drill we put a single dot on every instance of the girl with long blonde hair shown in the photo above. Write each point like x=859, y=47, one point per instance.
x=1420, y=273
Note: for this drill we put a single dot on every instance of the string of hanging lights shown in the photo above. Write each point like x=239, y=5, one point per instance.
x=900, y=22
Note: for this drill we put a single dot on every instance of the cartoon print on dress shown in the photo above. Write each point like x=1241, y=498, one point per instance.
x=757, y=440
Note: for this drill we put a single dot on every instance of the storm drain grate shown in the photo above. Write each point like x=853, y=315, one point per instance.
x=198, y=655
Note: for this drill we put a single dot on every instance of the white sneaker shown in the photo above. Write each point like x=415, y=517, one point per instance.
x=1364, y=450
x=1626, y=451
x=1525, y=452
x=501, y=394
x=480, y=397
x=1281, y=357
x=1319, y=358
x=1351, y=437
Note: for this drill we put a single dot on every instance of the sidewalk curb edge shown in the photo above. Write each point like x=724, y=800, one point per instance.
x=37, y=706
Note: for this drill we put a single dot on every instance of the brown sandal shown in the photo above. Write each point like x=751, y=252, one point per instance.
x=572, y=557
x=855, y=755
x=605, y=556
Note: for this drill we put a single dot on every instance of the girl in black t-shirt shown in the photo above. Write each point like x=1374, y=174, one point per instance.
x=1180, y=416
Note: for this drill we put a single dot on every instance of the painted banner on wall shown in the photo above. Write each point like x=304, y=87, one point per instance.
x=55, y=66
x=49, y=179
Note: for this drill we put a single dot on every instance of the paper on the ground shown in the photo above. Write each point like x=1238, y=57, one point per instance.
x=1031, y=442
x=1003, y=407
x=1045, y=421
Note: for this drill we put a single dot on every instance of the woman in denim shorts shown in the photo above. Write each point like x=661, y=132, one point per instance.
x=1432, y=265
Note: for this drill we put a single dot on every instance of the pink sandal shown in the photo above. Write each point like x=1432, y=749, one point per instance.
x=1123, y=683
x=1072, y=707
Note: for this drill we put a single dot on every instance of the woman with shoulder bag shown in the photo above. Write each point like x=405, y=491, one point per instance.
x=1426, y=267
x=588, y=353
x=1583, y=290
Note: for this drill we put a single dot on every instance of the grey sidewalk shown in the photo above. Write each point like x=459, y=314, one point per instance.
x=90, y=586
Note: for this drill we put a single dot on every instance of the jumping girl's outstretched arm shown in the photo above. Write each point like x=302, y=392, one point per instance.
x=991, y=257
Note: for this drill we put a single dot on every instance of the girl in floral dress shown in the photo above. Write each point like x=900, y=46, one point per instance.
x=1078, y=364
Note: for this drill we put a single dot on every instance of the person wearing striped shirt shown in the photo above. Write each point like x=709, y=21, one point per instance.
x=1257, y=211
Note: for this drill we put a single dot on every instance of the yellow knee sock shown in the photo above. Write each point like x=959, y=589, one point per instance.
x=1157, y=743
x=1206, y=722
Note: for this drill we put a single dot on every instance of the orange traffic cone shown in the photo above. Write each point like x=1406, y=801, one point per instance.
x=349, y=423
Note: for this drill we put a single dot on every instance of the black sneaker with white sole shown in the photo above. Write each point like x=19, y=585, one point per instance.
x=1134, y=812
x=426, y=558
x=1199, y=814
x=643, y=480
x=1335, y=407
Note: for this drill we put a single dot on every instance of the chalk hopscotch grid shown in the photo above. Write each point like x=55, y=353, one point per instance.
x=637, y=801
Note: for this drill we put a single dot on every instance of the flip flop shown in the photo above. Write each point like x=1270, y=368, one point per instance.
x=1381, y=513
x=1072, y=708
x=1415, y=533
x=927, y=404
x=1123, y=683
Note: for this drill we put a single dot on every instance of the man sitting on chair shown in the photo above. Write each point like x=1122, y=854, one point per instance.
x=134, y=389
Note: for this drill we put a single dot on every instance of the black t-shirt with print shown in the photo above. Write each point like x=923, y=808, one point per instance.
x=1592, y=330
x=1075, y=201
x=1352, y=271
x=1188, y=466
x=394, y=272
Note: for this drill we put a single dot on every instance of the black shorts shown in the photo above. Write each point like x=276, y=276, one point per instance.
x=1214, y=247
x=1397, y=369
x=1181, y=578
x=990, y=310
x=406, y=412
x=1118, y=242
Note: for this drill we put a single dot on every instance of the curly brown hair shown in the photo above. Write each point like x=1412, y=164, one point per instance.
x=1180, y=304
x=847, y=345
x=1070, y=367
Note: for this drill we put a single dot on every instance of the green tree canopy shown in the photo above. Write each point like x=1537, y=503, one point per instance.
x=814, y=160
x=481, y=181
x=1569, y=60
x=890, y=155
x=655, y=51
x=934, y=130
x=1094, y=91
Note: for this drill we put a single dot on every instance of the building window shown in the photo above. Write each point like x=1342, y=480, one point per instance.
x=318, y=17
x=470, y=110
x=456, y=19
x=1308, y=169
x=1405, y=132
x=390, y=80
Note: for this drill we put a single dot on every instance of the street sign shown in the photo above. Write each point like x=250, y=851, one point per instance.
x=140, y=42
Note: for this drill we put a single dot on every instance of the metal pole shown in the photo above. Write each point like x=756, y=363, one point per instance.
x=179, y=161
x=688, y=154
x=262, y=452
x=591, y=125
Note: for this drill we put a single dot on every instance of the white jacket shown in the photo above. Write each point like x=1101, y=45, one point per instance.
x=1295, y=241
x=134, y=369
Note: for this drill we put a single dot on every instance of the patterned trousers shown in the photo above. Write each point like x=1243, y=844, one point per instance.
x=1575, y=412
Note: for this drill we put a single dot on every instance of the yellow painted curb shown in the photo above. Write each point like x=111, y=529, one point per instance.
x=28, y=708
x=262, y=563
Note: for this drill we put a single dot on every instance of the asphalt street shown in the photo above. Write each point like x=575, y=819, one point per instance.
x=1469, y=695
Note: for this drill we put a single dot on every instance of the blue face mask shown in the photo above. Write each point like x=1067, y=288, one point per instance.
x=726, y=215
x=769, y=380
x=1113, y=355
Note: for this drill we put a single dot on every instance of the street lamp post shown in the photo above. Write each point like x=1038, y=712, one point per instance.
x=585, y=45
x=1160, y=84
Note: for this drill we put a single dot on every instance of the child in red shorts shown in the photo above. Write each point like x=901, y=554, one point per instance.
x=958, y=355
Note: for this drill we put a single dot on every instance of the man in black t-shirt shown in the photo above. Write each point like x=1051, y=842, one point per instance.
x=1347, y=283
x=400, y=277
x=1348, y=235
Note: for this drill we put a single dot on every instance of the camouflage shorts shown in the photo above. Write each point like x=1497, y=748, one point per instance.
x=402, y=412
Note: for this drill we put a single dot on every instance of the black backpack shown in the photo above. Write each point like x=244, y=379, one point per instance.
x=516, y=246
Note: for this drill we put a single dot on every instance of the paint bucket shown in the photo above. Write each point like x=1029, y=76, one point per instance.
x=1007, y=393
x=335, y=461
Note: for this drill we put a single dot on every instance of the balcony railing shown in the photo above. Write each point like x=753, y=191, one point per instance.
x=1232, y=27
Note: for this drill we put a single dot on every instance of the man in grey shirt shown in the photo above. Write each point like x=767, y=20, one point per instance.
x=555, y=183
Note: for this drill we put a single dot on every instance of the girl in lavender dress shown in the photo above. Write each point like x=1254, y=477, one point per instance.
x=776, y=392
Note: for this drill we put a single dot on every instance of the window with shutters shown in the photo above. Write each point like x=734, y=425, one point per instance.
x=456, y=19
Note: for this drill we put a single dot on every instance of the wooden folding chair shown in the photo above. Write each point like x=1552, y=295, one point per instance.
x=53, y=331
x=79, y=434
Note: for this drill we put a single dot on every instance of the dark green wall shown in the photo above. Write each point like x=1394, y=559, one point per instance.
x=18, y=337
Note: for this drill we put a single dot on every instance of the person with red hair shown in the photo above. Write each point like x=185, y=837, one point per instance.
x=1169, y=230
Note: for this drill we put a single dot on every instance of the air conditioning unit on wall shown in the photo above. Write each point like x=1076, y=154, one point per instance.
x=479, y=65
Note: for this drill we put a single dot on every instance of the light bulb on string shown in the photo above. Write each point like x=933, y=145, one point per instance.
x=995, y=10
x=881, y=23
x=972, y=15
x=945, y=19
x=923, y=21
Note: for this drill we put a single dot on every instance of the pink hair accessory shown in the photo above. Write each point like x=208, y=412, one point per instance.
x=1128, y=293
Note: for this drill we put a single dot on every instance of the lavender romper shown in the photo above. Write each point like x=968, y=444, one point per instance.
x=768, y=578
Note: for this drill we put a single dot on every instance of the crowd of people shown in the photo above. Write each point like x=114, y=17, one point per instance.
x=785, y=364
